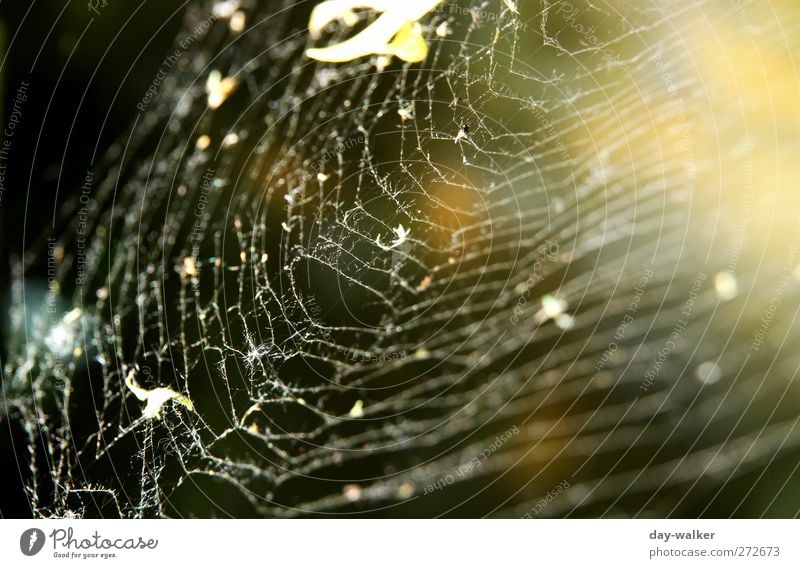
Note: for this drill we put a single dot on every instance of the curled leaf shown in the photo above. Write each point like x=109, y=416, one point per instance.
x=396, y=32
x=155, y=398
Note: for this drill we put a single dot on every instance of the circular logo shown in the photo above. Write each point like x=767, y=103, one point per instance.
x=31, y=542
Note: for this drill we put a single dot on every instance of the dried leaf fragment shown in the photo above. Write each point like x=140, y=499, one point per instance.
x=155, y=398
x=219, y=89
x=396, y=32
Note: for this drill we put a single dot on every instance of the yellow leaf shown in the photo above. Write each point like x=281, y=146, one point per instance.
x=395, y=32
x=408, y=44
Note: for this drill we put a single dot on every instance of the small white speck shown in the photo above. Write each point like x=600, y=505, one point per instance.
x=219, y=89
x=203, y=142
x=382, y=62
x=237, y=22
x=552, y=306
x=60, y=339
x=708, y=373
x=72, y=316
x=352, y=492
x=226, y=9
x=358, y=410
x=401, y=235
x=189, y=266
x=405, y=490
x=230, y=140
x=406, y=113
x=725, y=285
x=565, y=321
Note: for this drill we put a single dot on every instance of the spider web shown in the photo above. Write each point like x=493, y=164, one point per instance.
x=444, y=289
